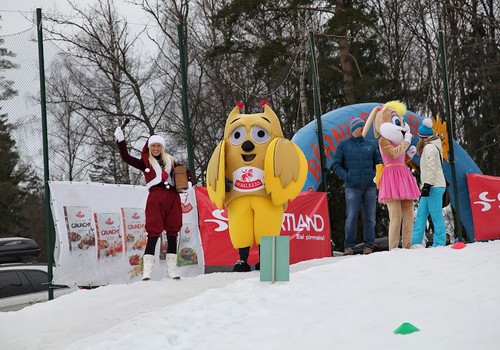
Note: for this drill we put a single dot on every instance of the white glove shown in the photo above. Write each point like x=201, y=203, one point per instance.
x=411, y=151
x=408, y=137
x=119, y=134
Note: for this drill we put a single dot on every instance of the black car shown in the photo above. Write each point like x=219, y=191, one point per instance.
x=23, y=281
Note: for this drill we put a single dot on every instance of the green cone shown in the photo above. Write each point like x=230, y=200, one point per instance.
x=406, y=328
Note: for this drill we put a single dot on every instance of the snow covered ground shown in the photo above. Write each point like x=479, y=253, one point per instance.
x=451, y=295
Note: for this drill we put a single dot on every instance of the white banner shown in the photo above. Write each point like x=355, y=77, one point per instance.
x=100, y=235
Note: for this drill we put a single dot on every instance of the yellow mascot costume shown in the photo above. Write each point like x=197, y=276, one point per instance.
x=253, y=172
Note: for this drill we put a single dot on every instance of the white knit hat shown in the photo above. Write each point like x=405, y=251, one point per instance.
x=156, y=139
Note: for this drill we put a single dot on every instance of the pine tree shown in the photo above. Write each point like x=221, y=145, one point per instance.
x=6, y=89
x=9, y=158
x=9, y=181
x=21, y=191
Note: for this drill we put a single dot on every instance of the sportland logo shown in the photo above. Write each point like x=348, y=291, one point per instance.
x=485, y=201
x=219, y=219
x=291, y=222
x=302, y=222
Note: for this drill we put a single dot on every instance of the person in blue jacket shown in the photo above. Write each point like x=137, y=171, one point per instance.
x=354, y=162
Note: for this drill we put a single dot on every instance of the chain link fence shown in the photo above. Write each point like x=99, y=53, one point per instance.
x=25, y=283
x=474, y=80
x=23, y=110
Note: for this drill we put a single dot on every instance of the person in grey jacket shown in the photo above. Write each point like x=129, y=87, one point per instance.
x=434, y=184
x=354, y=162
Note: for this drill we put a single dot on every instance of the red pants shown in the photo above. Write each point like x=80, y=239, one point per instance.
x=163, y=212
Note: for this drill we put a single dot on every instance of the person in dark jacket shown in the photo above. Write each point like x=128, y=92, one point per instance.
x=354, y=162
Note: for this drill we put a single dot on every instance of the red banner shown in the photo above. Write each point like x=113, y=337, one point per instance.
x=484, y=192
x=305, y=221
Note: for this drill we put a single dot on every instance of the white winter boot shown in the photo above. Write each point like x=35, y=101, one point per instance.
x=171, y=266
x=148, y=261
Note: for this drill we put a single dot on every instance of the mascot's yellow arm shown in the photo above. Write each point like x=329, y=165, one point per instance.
x=285, y=170
x=216, y=182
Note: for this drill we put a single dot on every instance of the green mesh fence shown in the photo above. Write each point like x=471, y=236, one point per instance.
x=23, y=110
x=25, y=283
x=474, y=84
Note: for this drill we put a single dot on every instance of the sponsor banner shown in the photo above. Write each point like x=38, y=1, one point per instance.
x=109, y=235
x=100, y=235
x=189, y=250
x=305, y=221
x=484, y=194
x=81, y=236
x=135, y=236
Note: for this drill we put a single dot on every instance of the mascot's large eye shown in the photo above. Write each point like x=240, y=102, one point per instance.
x=395, y=120
x=238, y=135
x=259, y=135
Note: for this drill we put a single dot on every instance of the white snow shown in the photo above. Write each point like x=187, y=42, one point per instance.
x=356, y=302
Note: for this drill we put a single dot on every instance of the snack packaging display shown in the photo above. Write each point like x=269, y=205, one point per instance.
x=109, y=235
x=81, y=234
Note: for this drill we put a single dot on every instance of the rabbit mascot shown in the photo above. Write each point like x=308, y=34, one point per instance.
x=253, y=172
x=398, y=188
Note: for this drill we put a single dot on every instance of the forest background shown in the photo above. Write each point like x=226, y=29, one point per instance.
x=104, y=69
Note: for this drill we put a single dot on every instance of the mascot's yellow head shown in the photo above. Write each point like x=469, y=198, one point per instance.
x=247, y=136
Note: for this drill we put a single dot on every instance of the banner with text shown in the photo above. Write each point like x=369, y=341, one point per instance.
x=100, y=235
x=305, y=221
x=484, y=194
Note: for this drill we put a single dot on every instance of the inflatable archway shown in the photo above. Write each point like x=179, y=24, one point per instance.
x=336, y=128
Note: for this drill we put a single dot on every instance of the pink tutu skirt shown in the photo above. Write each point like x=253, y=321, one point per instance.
x=397, y=182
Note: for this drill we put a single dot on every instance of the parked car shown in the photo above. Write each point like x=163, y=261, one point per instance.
x=24, y=284
x=23, y=281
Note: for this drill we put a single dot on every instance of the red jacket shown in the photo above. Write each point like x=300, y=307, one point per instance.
x=152, y=171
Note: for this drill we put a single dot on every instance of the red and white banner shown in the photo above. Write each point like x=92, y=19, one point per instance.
x=305, y=221
x=484, y=192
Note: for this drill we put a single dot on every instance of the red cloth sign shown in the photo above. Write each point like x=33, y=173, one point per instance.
x=305, y=221
x=484, y=194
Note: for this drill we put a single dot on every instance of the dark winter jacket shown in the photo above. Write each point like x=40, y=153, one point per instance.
x=355, y=160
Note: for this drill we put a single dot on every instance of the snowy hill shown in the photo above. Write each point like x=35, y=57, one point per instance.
x=452, y=296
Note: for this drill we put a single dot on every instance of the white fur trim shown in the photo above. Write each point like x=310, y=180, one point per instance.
x=157, y=169
x=168, y=165
x=156, y=139
x=427, y=122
